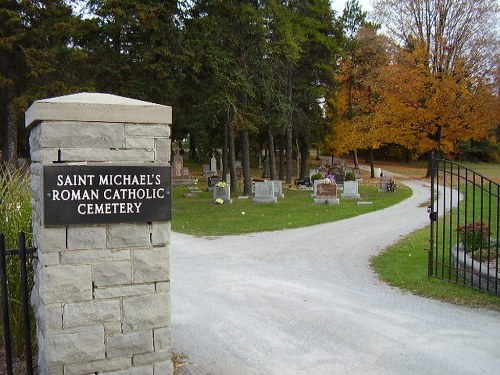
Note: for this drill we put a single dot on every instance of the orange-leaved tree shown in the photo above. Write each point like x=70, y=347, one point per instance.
x=428, y=110
x=353, y=126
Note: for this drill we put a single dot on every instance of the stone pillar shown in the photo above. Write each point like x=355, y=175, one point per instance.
x=102, y=291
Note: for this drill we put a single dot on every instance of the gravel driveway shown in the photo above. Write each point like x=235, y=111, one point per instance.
x=304, y=301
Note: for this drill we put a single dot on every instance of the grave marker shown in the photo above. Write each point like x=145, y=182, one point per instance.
x=326, y=194
x=264, y=192
x=222, y=191
x=278, y=189
x=351, y=190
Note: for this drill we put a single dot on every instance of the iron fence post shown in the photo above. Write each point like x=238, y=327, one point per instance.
x=26, y=308
x=5, y=303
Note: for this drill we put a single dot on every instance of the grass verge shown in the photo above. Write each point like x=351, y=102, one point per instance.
x=197, y=215
x=404, y=265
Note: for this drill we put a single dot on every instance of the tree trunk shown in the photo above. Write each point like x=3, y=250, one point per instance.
x=370, y=160
x=289, y=152
x=245, y=163
x=232, y=159
x=356, y=162
x=304, y=154
x=10, y=150
x=289, y=130
x=282, y=161
x=225, y=156
x=192, y=148
x=9, y=146
x=272, y=152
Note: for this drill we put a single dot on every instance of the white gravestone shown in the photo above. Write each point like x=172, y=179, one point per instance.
x=213, y=165
x=351, y=190
x=264, y=192
x=315, y=187
x=278, y=189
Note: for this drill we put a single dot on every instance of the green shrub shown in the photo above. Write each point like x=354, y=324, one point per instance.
x=474, y=236
x=15, y=217
x=316, y=176
x=350, y=176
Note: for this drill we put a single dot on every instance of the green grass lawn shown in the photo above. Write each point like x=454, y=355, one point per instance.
x=199, y=216
x=404, y=265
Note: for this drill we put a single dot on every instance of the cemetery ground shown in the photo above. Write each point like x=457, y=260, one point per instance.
x=307, y=301
x=403, y=265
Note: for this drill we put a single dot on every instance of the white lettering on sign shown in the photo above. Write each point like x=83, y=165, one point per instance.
x=75, y=195
x=75, y=180
x=137, y=187
x=109, y=208
x=127, y=179
x=129, y=194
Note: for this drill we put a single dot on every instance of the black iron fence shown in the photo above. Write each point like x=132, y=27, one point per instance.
x=464, y=238
x=15, y=287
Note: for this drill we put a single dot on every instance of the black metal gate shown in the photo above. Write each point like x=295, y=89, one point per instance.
x=15, y=285
x=464, y=236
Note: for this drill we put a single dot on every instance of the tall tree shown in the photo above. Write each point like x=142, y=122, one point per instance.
x=228, y=36
x=310, y=80
x=38, y=59
x=353, y=19
x=134, y=46
x=354, y=125
x=449, y=48
x=427, y=111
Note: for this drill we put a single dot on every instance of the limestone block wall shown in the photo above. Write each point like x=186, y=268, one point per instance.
x=102, y=292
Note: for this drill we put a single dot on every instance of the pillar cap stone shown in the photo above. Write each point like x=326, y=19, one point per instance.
x=97, y=107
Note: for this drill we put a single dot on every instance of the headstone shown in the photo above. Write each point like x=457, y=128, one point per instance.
x=386, y=184
x=178, y=166
x=180, y=174
x=101, y=294
x=315, y=187
x=339, y=178
x=264, y=192
x=213, y=165
x=351, y=190
x=222, y=190
x=212, y=181
x=205, y=168
x=326, y=194
x=278, y=189
x=377, y=172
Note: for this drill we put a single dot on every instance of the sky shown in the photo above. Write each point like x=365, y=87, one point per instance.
x=338, y=5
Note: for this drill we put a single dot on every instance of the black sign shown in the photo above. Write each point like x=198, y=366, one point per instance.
x=106, y=194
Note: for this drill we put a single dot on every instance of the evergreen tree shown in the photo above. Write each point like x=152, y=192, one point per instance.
x=37, y=60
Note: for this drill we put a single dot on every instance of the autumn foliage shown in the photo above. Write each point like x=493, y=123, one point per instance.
x=425, y=110
x=422, y=89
